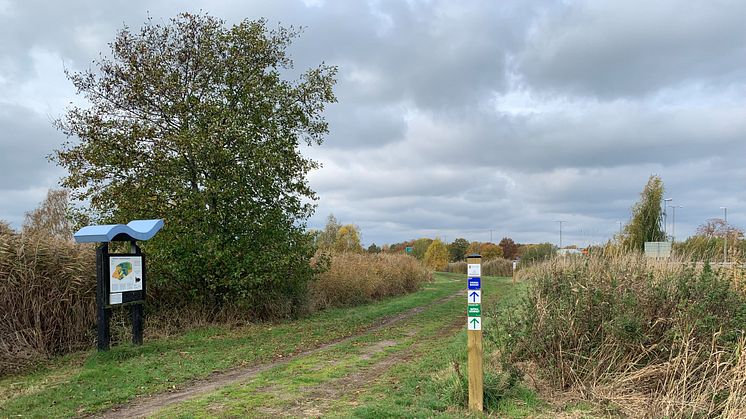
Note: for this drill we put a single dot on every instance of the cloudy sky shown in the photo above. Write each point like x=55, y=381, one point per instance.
x=454, y=117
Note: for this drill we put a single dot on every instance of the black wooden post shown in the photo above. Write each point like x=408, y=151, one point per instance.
x=136, y=310
x=102, y=296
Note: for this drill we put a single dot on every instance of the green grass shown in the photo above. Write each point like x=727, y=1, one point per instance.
x=404, y=370
x=419, y=388
x=425, y=347
x=92, y=382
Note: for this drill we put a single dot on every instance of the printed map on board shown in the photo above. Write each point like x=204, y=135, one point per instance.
x=125, y=273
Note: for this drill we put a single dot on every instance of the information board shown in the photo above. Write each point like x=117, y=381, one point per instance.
x=125, y=274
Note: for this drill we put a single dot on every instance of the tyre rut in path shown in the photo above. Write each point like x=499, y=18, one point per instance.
x=139, y=408
x=317, y=400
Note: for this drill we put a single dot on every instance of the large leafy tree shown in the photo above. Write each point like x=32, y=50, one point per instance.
x=194, y=122
x=510, y=248
x=490, y=251
x=437, y=255
x=457, y=249
x=348, y=239
x=419, y=247
x=647, y=214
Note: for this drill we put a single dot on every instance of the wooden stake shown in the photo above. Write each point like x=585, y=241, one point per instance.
x=474, y=351
x=476, y=386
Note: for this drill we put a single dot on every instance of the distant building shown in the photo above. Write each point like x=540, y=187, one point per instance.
x=565, y=252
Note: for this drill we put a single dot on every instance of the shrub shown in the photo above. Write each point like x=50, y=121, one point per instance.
x=533, y=253
x=633, y=330
x=47, y=298
x=354, y=279
x=436, y=256
x=701, y=248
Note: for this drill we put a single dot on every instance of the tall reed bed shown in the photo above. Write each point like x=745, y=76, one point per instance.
x=354, y=279
x=47, y=298
x=492, y=267
x=656, y=338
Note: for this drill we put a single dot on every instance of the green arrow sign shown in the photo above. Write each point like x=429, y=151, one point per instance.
x=474, y=323
x=474, y=310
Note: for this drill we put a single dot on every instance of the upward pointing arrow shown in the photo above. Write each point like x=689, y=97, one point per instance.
x=474, y=322
x=474, y=295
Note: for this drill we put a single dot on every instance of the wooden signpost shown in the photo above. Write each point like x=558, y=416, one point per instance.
x=474, y=331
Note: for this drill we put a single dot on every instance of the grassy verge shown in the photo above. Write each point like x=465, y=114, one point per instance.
x=421, y=388
x=397, y=372
x=91, y=382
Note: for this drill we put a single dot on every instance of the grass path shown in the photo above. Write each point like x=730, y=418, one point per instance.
x=389, y=372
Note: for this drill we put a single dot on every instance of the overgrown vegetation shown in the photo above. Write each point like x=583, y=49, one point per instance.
x=353, y=279
x=47, y=291
x=494, y=267
x=47, y=297
x=655, y=338
x=715, y=239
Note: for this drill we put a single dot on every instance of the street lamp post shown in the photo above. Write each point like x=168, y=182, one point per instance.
x=665, y=215
x=560, y=231
x=725, y=234
x=673, y=222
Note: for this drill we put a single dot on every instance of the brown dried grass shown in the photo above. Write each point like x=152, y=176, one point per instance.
x=655, y=338
x=354, y=279
x=492, y=267
x=47, y=298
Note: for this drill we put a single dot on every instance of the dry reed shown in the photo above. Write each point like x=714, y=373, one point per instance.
x=492, y=267
x=47, y=298
x=354, y=279
x=655, y=338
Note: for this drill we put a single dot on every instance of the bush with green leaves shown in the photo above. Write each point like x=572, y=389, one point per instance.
x=533, y=253
x=701, y=248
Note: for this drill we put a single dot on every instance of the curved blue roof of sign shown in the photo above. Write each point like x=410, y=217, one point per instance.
x=134, y=230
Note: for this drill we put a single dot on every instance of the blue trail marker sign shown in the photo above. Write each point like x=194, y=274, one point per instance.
x=474, y=331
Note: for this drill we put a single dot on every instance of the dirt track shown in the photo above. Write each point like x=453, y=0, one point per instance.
x=143, y=407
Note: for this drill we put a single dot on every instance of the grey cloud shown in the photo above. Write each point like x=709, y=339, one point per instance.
x=25, y=141
x=620, y=90
x=630, y=48
x=606, y=136
x=364, y=125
